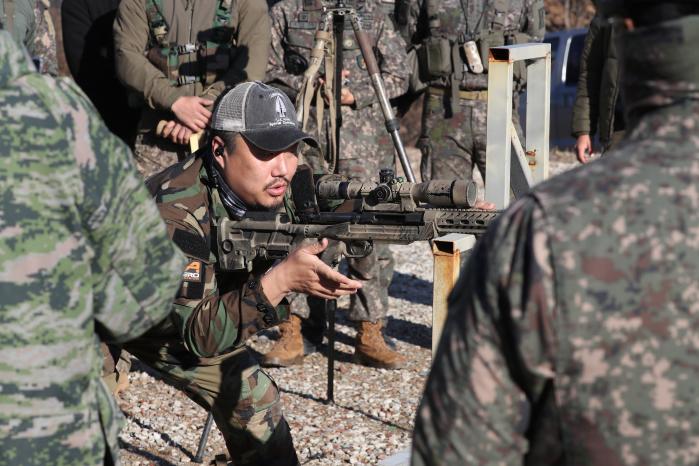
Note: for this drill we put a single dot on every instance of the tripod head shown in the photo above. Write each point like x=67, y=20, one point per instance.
x=333, y=5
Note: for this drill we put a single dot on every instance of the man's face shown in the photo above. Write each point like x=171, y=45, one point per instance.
x=257, y=177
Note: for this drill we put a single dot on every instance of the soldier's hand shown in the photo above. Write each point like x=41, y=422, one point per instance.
x=583, y=148
x=175, y=132
x=346, y=96
x=302, y=271
x=192, y=112
x=181, y=135
x=484, y=205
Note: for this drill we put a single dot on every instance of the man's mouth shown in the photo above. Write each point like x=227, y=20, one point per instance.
x=277, y=189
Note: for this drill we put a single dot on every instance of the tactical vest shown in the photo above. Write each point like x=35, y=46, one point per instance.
x=444, y=52
x=213, y=56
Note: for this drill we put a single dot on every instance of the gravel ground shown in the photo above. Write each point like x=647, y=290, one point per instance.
x=372, y=416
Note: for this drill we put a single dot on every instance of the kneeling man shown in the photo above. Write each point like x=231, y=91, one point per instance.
x=247, y=165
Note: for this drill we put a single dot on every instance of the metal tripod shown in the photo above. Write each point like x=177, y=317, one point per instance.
x=335, y=14
x=338, y=12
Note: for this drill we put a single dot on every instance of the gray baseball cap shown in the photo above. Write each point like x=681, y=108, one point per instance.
x=262, y=114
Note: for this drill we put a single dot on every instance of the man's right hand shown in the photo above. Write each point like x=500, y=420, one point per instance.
x=192, y=111
x=176, y=132
x=583, y=148
x=303, y=272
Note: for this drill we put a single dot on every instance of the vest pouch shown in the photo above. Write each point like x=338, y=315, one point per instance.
x=434, y=58
x=161, y=58
x=416, y=84
x=488, y=40
x=214, y=60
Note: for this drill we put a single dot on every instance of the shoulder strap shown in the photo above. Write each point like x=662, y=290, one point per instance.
x=156, y=21
x=222, y=17
x=432, y=16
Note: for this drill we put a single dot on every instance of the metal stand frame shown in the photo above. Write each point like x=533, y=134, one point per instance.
x=531, y=164
x=446, y=252
x=502, y=176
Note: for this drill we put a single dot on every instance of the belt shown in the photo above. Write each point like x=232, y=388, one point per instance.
x=466, y=95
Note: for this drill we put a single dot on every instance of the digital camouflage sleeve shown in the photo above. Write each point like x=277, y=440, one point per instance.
x=83, y=253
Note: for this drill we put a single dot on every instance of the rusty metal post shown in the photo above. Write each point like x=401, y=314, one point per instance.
x=447, y=252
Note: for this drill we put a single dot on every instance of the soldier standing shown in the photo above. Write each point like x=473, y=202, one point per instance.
x=74, y=216
x=598, y=106
x=366, y=147
x=572, y=335
x=452, y=38
x=193, y=51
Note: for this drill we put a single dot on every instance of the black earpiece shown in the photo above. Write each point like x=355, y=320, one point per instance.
x=219, y=151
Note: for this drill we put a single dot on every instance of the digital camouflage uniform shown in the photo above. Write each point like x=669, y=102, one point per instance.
x=366, y=147
x=453, y=136
x=201, y=347
x=45, y=53
x=572, y=336
x=31, y=26
x=75, y=225
x=237, y=51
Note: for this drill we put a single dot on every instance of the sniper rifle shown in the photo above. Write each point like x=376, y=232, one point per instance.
x=391, y=211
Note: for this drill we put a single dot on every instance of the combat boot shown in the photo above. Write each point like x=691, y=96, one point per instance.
x=370, y=348
x=291, y=347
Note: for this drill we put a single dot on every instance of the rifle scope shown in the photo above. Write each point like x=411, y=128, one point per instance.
x=438, y=193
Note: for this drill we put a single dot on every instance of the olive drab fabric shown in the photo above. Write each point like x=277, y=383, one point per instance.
x=571, y=337
x=17, y=17
x=598, y=88
x=76, y=227
x=201, y=60
x=365, y=145
x=137, y=28
x=442, y=27
x=211, y=45
x=201, y=347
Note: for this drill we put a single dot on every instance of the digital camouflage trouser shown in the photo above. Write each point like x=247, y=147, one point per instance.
x=154, y=154
x=452, y=147
x=243, y=399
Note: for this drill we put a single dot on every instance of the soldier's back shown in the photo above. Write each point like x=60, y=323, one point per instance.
x=622, y=235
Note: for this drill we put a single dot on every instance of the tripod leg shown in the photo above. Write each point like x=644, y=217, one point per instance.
x=330, y=308
x=377, y=81
x=198, y=458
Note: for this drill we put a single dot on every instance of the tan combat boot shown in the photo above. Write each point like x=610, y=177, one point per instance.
x=370, y=348
x=288, y=350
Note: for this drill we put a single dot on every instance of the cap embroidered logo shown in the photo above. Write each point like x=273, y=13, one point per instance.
x=279, y=106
